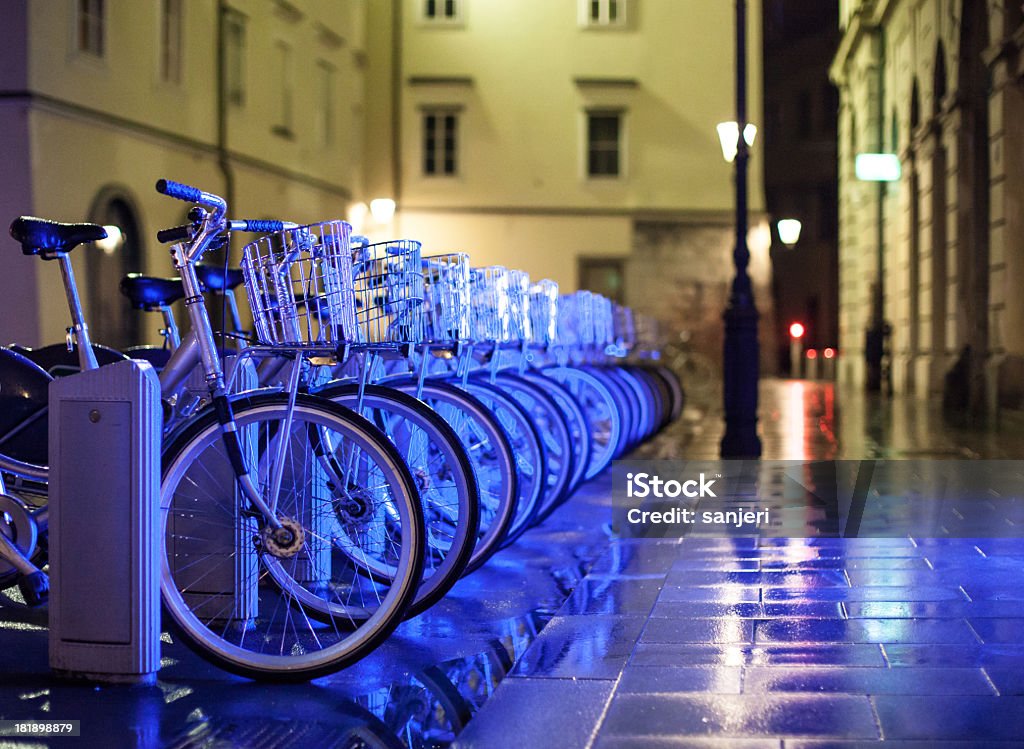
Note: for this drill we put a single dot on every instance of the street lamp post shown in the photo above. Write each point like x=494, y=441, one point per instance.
x=741, y=351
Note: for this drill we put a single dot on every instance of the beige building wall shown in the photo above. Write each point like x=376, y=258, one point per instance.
x=101, y=126
x=522, y=77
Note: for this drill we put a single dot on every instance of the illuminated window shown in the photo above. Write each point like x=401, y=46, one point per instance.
x=604, y=144
x=604, y=13
x=91, y=27
x=442, y=11
x=440, y=142
x=170, y=40
x=234, y=51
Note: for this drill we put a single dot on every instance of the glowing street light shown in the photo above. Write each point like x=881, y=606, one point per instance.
x=729, y=136
x=789, y=231
x=796, y=349
x=877, y=167
x=382, y=210
x=114, y=239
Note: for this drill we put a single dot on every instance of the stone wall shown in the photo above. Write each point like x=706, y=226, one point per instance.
x=681, y=273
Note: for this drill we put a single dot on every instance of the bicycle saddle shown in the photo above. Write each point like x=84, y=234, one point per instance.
x=150, y=293
x=215, y=277
x=41, y=237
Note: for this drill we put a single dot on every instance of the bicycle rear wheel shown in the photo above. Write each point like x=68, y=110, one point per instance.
x=553, y=429
x=444, y=479
x=601, y=409
x=527, y=446
x=490, y=454
x=264, y=607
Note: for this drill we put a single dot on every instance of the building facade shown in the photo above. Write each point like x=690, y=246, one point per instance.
x=256, y=100
x=801, y=183
x=938, y=255
x=574, y=139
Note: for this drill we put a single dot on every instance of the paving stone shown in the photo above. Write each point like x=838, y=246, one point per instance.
x=1008, y=681
x=920, y=681
x=945, y=718
x=740, y=716
x=725, y=629
x=582, y=647
x=532, y=712
x=864, y=630
x=610, y=595
x=654, y=679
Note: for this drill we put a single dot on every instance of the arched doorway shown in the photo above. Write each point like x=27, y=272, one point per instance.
x=111, y=321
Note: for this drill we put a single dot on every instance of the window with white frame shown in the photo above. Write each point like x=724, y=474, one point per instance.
x=325, y=102
x=171, y=40
x=440, y=141
x=442, y=11
x=285, y=88
x=91, y=27
x=604, y=143
x=603, y=13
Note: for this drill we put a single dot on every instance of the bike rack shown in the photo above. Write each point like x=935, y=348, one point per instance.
x=105, y=437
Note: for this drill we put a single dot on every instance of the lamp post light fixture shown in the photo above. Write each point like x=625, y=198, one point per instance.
x=729, y=134
x=112, y=242
x=382, y=210
x=741, y=352
x=789, y=231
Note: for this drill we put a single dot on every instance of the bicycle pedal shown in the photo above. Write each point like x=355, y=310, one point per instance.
x=35, y=588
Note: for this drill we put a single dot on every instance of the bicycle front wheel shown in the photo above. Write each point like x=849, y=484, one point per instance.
x=303, y=607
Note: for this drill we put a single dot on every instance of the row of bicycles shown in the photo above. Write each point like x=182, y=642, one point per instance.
x=393, y=421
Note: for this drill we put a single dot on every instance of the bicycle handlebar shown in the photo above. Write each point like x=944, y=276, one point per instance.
x=179, y=191
x=177, y=234
x=258, y=226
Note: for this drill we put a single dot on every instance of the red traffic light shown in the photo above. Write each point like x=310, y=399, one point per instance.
x=829, y=353
x=796, y=330
x=812, y=354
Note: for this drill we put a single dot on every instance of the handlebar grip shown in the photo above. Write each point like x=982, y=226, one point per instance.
x=179, y=191
x=177, y=234
x=258, y=226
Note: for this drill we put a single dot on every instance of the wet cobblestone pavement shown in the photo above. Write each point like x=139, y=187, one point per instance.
x=806, y=643
x=573, y=638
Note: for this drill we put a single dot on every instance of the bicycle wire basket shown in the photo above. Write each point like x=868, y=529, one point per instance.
x=576, y=320
x=388, y=285
x=625, y=328
x=604, y=332
x=299, y=284
x=446, y=307
x=519, y=305
x=489, y=307
x=544, y=313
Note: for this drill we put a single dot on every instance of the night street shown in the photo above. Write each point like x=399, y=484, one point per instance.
x=590, y=374
x=828, y=642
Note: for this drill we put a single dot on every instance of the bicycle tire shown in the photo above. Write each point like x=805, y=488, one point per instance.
x=489, y=451
x=555, y=434
x=601, y=410
x=576, y=419
x=444, y=475
x=527, y=446
x=246, y=593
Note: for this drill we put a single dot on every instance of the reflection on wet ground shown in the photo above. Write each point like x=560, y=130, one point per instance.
x=418, y=690
x=576, y=639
